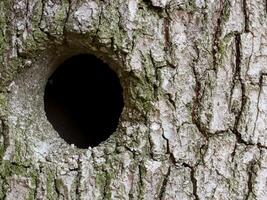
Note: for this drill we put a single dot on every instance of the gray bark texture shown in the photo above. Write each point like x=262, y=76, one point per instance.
x=194, y=78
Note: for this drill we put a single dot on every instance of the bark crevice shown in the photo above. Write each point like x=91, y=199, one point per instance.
x=164, y=184
x=246, y=16
x=193, y=180
x=243, y=90
x=251, y=175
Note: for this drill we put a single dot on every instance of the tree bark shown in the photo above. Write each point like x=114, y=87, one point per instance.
x=194, y=76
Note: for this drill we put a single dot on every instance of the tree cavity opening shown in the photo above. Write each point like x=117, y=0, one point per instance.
x=83, y=100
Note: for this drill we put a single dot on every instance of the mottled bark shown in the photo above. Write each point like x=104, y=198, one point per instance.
x=194, y=74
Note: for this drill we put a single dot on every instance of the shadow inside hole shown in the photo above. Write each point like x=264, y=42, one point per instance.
x=83, y=101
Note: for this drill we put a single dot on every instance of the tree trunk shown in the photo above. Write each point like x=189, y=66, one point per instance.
x=194, y=78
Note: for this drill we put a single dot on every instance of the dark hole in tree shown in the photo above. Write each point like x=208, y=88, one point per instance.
x=83, y=100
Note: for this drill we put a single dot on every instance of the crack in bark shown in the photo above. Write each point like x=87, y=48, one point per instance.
x=105, y=187
x=237, y=76
x=49, y=36
x=171, y=156
x=260, y=146
x=5, y=133
x=164, y=184
x=193, y=180
x=42, y=15
x=250, y=179
x=243, y=90
x=203, y=151
x=66, y=21
x=196, y=102
x=150, y=143
x=141, y=184
x=79, y=178
x=166, y=25
x=258, y=101
x=27, y=16
x=157, y=78
x=246, y=16
x=98, y=25
x=216, y=36
x=57, y=190
x=172, y=102
x=157, y=9
x=39, y=184
x=234, y=152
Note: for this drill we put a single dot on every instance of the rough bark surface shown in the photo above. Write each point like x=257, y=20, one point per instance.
x=194, y=74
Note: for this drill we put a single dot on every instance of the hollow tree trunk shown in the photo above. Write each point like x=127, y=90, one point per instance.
x=194, y=76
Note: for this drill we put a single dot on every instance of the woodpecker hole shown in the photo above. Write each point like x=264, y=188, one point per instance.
x=83, y=100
